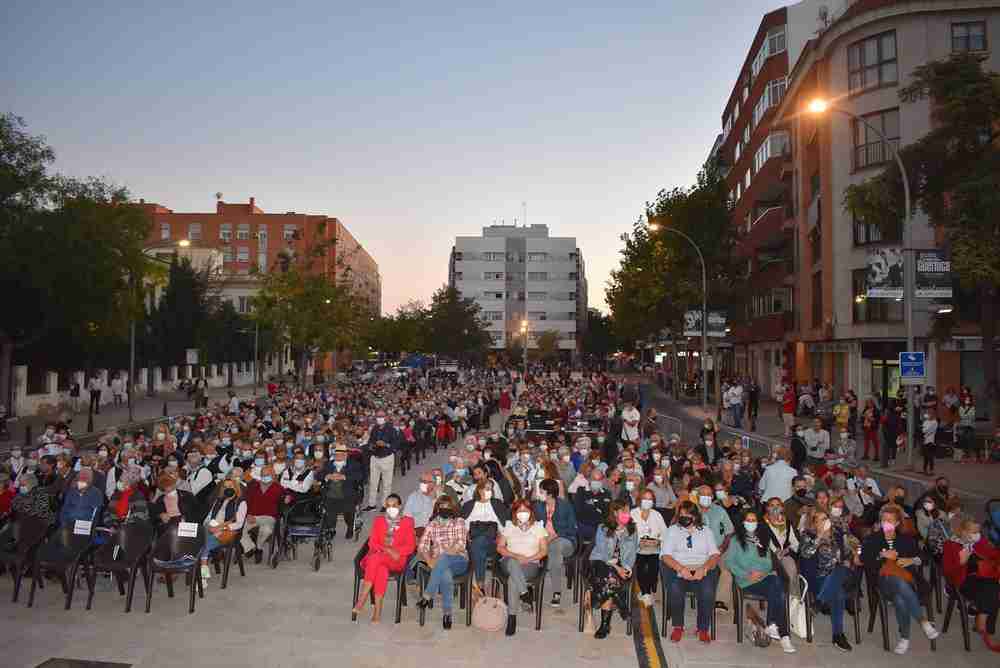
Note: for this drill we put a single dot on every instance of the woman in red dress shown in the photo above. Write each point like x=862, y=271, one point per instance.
x=390, y=545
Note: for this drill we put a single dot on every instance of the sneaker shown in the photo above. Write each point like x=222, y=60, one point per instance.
x=677, y=634
x=646, y=600
x=556, y=600
x=772, y=632
x=786, y=645
x=704, y=637
x=903, y=646
x=840, y=642
x=206, y=572
x=929, y=630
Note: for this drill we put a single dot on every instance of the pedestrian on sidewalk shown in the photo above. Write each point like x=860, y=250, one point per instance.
x=788, y=402
x=117, y=390
x=94, y=387
x=753, y=403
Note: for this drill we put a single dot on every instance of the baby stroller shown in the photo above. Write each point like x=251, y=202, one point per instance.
x=304, y=520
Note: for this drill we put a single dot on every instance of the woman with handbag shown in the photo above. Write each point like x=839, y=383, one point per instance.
x=611, y=562
x=651, y=529
x=832, y=562
x=224, y=521
x=972, y=566
x=891, y=560
x=392, y=541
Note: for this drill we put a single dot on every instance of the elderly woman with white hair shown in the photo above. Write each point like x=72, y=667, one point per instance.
x=128, y=504
x=33, y=500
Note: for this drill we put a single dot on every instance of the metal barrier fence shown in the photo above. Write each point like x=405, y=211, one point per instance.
x=668, y=425
x=758, y=446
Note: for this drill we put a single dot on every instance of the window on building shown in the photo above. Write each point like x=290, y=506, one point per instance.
x=869, y=233
x=227, y=253
x=775, y=145
x=969, y=36
x=727, y=124
x=262, y=237
x=537, y=315
x=194, y=232
x=243, y=304
x=538, y=276
x=771, y=302
x=291, y=232
x=242, y=254
x=537, y=296
x=492, y=275
x=746, y=135
x=817, y=299
x=491, y=294
x=226, y=232
x=872, y=62
x=494, y=257
x=538, y=257
x=869, y=149
x=739, y=151
x=493, y=316
x=243, y=232
x=872, y=310
x=746, y=180
x=165, y=231
x=458, y=254
x=773, y=44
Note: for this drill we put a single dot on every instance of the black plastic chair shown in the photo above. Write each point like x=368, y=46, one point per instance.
x=463, y=582
x=26, y=534
x=176, y=555
x=536, y=583
x=225, y=554
x=665, y=612
x=62, y=553
x=124, y=555
x=877, y=604
x=575, y=566
x=740, y=596
x=812, y=604
x=955, y=598
x=627, y=611
x=399, y=578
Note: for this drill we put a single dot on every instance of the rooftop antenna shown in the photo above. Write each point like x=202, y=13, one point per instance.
x=524, y=213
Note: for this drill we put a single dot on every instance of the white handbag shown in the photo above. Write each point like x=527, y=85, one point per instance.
x=797, y=611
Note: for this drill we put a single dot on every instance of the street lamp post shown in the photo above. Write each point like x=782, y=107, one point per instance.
x=704, y=311
x=256, y=353
x=822, y=106
x=524, y=333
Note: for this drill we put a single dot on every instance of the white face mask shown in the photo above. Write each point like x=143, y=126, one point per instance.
x=721, y=494
x=836, y=511
x=81, y=485
x=658, y=479
x=705, y=501
x=629, y=485
x=424, y=487
x=646, y=504
x=392, y=512
x=523, y=517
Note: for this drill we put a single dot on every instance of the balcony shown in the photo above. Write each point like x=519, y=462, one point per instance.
x=769, y=232
x=771, y=327
x=814, y=215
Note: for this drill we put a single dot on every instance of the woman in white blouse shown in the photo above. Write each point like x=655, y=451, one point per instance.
x=650, y=528
x=224, y=521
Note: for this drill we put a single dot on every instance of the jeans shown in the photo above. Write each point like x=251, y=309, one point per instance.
x=830, y=590
x=518, y=575
x=902, y=596
x=211, y=543
x=737, y=412
x=481, y=548
x=447, y=567
x=586, y=532
x=559, y=549
x=772, y=589
x=704, y=591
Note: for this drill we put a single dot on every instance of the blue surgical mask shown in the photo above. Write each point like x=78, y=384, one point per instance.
x=266, y=479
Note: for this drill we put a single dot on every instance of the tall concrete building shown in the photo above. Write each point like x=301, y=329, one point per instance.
x=515, y=273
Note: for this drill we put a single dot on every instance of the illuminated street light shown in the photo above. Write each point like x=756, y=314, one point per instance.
x=184, y=243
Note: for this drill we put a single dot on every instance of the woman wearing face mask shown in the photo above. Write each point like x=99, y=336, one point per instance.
x=390, y=545
x=831, y=559
x=33, y=500
x=972, y=566
x=556, y=515
x=128, y=504
x=749, y=560
x=928, y=431
x=224, y=521
x=171, y=504
x=631, y=488
x=651, y=528
x=444, y=548
x=822, y=504
x=891, y=559
x=664, y=498
x=611, y=564
x=484, y=515
x=521, y=544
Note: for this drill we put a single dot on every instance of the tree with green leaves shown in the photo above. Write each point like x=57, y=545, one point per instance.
x=546, y=346
x=659, y=276
x=599, y=340
x=71, y=252
x=454, y=327
x=402, y=332
x=178, y=320
x=954, y=174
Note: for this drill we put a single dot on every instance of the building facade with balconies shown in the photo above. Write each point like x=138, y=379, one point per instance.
x=859, y=58
x=515, y=273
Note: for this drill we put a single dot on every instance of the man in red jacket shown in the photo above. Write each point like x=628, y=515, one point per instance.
x=262, y=512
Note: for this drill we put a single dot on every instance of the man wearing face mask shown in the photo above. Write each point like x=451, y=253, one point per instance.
x=386, y=440
x=200, y=480
x=799, y=502
x=343, y=479
x=81, y=501
x=263, y=497
x=591, y=505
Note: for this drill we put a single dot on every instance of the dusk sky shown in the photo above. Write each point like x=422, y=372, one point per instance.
x=411, y=122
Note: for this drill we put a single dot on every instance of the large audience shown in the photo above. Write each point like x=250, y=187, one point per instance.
x=540, y=472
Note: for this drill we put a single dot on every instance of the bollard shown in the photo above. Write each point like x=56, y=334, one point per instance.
x=27, y=436
x=164, y=409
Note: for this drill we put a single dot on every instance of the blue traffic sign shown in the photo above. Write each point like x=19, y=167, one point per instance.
x=912, y=365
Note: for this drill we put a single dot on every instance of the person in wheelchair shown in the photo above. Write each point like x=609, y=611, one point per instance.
x=390, y=545
x=343, y=479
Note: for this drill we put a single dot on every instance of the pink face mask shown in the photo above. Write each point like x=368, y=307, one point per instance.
x=623, y=518
x=888, y=527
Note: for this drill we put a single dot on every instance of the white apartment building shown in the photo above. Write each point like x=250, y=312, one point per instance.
x=516, y=273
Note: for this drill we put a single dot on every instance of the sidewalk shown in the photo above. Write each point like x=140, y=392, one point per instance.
x=144, y=410
x=975, y=484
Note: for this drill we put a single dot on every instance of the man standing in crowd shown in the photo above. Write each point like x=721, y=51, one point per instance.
x=384, y=441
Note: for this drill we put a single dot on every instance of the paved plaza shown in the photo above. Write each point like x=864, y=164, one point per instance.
x=293, y=617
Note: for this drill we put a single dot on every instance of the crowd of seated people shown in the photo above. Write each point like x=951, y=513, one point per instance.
x=576, y=472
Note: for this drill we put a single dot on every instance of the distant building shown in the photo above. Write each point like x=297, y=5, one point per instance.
x=516, y=273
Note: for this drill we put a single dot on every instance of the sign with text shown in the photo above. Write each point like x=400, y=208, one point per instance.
x=716, y=324
x=912, y=367
x=82, y=527
x=884, y=273
x=933, y=275
x=187, y=530
x=692, y=323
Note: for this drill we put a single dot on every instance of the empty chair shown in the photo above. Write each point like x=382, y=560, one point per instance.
x=124, y=555
x=62, y=554
x=176, y=553
x=18, y=555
